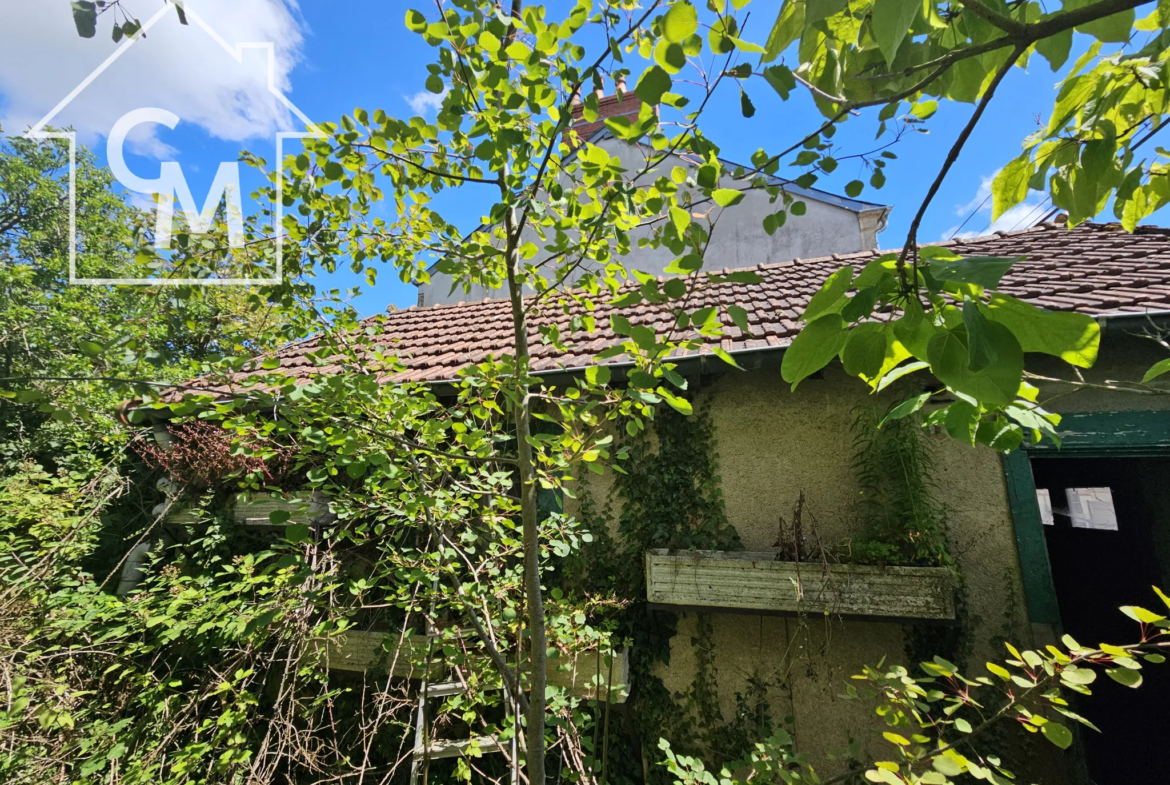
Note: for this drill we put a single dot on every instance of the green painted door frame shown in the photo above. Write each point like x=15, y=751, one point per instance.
x=1133, y=434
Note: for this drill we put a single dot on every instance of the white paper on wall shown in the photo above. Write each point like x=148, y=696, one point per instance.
x=1092, y=508
x=1044, y=499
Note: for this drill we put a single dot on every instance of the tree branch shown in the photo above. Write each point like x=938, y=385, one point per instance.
x=952, y=156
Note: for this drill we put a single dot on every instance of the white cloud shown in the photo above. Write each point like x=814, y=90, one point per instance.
x=425, y=101
x=177, y=68
x=1021, y=216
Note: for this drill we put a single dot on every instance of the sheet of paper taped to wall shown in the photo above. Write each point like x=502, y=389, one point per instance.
x=1092, y=508
x=1044, y=499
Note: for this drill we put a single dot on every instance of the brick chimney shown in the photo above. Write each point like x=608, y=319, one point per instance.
x=620, y=104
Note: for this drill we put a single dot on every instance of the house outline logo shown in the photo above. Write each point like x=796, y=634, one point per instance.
x=236, y=53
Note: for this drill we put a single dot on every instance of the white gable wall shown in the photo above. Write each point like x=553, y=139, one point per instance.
x=738, y=240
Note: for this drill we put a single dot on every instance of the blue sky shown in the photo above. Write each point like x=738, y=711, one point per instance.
x=335, y=55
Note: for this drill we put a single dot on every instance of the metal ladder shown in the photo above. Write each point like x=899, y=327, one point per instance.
x=427, y=749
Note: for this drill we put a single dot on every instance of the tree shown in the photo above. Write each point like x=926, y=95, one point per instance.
x=56, y=338
x=563, y=211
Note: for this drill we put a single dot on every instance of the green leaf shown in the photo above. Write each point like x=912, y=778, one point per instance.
x=297, y=532
x=489, y=42
x=415, y=21
x=924, y=110
x=999, y=671
x=1113, y=29
x=680, y=218
x=898, y=372
x=781, y=80
x=277, y=517
x=788, y=27
x=724, y=356
x=891, y=22
x=906, y=408
x=746, y=107
x=91, y=348
x=654, y=82
x=670, y=56
x=985, y=271
x=854, y=188
x=182, y=14
x=816, y=10
x=1156, y=370
x=961, y=421
x=1130, y=678
x=1055, y=48
x=727, y=197
x=997, y=384
x=1073, y=337
x=1010, y=186
x=597, y=374
x=680, y=23
x=946, y=765
x=1141, y=614
x=814, y=348
x=684, y=265
x=1057, y=734
x=85, y=18
x=831, y=294
x=680, y=405
x=979, y=347
x=865, y=351
x=740, y=317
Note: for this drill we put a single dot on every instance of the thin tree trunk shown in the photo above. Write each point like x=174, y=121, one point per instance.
x=536, y=632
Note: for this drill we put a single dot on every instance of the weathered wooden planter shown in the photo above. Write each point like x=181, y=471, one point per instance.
x=581, y=674
x=755, y=581
x=254, y=509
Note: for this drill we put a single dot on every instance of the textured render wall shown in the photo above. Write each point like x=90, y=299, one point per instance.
x=739, y=239
x=1124, y=356
x=772, y=444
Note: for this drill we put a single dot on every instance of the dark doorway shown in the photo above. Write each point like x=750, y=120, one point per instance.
x=1108, y=538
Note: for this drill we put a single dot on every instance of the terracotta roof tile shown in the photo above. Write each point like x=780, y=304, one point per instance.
x=1093, y=268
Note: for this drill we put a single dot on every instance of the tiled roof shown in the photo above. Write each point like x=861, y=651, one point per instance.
x=1095, y=269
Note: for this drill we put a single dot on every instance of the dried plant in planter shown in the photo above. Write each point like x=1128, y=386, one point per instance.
x=201, y=454
x=798, y=542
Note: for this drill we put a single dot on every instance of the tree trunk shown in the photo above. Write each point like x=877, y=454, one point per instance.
x=536, y=632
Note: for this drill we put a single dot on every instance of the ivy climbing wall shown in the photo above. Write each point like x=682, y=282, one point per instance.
x=755, y=451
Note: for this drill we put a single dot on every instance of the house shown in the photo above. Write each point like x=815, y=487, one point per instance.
x=1032, y=568
x=832, y=223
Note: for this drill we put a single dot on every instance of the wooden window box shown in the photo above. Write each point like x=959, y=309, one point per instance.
x=757, y=582
x=252, y=509
x=359, y=651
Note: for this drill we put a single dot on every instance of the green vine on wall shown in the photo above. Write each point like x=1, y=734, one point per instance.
x=904, y=522
x=668, y=494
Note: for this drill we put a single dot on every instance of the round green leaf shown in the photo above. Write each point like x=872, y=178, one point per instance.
x=1057, y=734
x=680, y=23
x=654, y=82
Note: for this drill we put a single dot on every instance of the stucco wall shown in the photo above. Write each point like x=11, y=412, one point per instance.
x=1125, y=355
x=739, y=239
x=772, y=445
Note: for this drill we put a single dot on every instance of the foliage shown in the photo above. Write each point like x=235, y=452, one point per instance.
x=903, y=521
x=437, y=522
x=61, y=343
x=936, y=724
x=200, y=454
